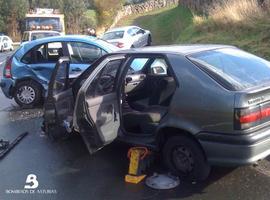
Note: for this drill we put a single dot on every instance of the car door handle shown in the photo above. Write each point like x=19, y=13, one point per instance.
x=76, y=69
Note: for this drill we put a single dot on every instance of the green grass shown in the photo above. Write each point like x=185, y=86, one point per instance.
x=175, y=26
x=164, y=29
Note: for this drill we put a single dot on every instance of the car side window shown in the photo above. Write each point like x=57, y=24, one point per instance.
x=105, y=81
x=46, y=53
x=135, y=30
x=137, y=65
x=84, y=53
x=130, y=32
x=34, y=55
x=25, y=37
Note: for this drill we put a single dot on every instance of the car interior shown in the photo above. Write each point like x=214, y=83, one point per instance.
x=147, y=92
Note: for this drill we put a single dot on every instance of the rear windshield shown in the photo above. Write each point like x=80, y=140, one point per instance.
x=113, y=35
x=239, y=68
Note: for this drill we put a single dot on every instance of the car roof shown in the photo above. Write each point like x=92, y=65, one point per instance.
x=67, y=38
x=177, y=49
x=122, y=28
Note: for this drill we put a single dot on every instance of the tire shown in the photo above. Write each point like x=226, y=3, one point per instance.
x=149, y=40
x=1, y=49
x=32, y=95
x=182, y=148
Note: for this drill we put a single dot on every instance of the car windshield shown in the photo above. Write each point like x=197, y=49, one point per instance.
x=113, y=35
x=241, y=69
x=36, y=36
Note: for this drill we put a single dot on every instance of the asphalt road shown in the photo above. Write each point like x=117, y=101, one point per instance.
x=65, y=170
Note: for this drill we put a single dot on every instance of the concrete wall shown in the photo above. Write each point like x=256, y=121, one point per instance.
x=142, y=8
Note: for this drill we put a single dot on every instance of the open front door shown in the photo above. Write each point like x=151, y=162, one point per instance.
x=96, y=114
x=59, y=104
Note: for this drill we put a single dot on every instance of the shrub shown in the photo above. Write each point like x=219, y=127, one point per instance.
x=236, y=12
x=107, y=10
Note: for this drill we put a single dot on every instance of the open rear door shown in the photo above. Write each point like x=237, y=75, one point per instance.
x=59, y=104
x=96, y=114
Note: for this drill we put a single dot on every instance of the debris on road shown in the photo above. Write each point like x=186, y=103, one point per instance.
x=8, y=146
x=162, y=181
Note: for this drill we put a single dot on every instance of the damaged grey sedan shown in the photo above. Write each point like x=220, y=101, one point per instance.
x=196, y=105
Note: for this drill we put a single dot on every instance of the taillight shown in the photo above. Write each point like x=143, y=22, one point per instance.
x=120, y=44
x=7, y=69
x=250, y=117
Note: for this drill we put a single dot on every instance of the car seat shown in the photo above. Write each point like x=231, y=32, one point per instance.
x=147, y=119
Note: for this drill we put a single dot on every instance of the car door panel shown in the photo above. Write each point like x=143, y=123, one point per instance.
x=59, y=104
x=104, y=114
x=43, y=70
x=96, y=114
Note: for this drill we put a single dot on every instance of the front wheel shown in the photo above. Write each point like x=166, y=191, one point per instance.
x=185, y=158
x=27, y=94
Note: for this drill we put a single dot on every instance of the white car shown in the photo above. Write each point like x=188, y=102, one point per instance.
x=6, y=43
x=34, y=35
x=128, y=37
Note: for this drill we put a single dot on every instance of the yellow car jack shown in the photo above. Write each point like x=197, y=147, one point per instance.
x=138, y=161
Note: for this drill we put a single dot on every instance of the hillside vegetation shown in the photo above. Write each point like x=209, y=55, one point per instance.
x=242, y=23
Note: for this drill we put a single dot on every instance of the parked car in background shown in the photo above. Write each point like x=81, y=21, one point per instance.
x=6, y=43
x=211, y=106
x=128, y=37
x=28, y=71
x=33, y=35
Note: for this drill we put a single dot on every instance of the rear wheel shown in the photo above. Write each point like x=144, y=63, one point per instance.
x=27, y=94
x=185, y=158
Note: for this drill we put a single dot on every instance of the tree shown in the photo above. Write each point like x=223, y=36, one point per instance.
x=12, y=12
x=56, y=4
x=74, y=13
x=107, y=10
